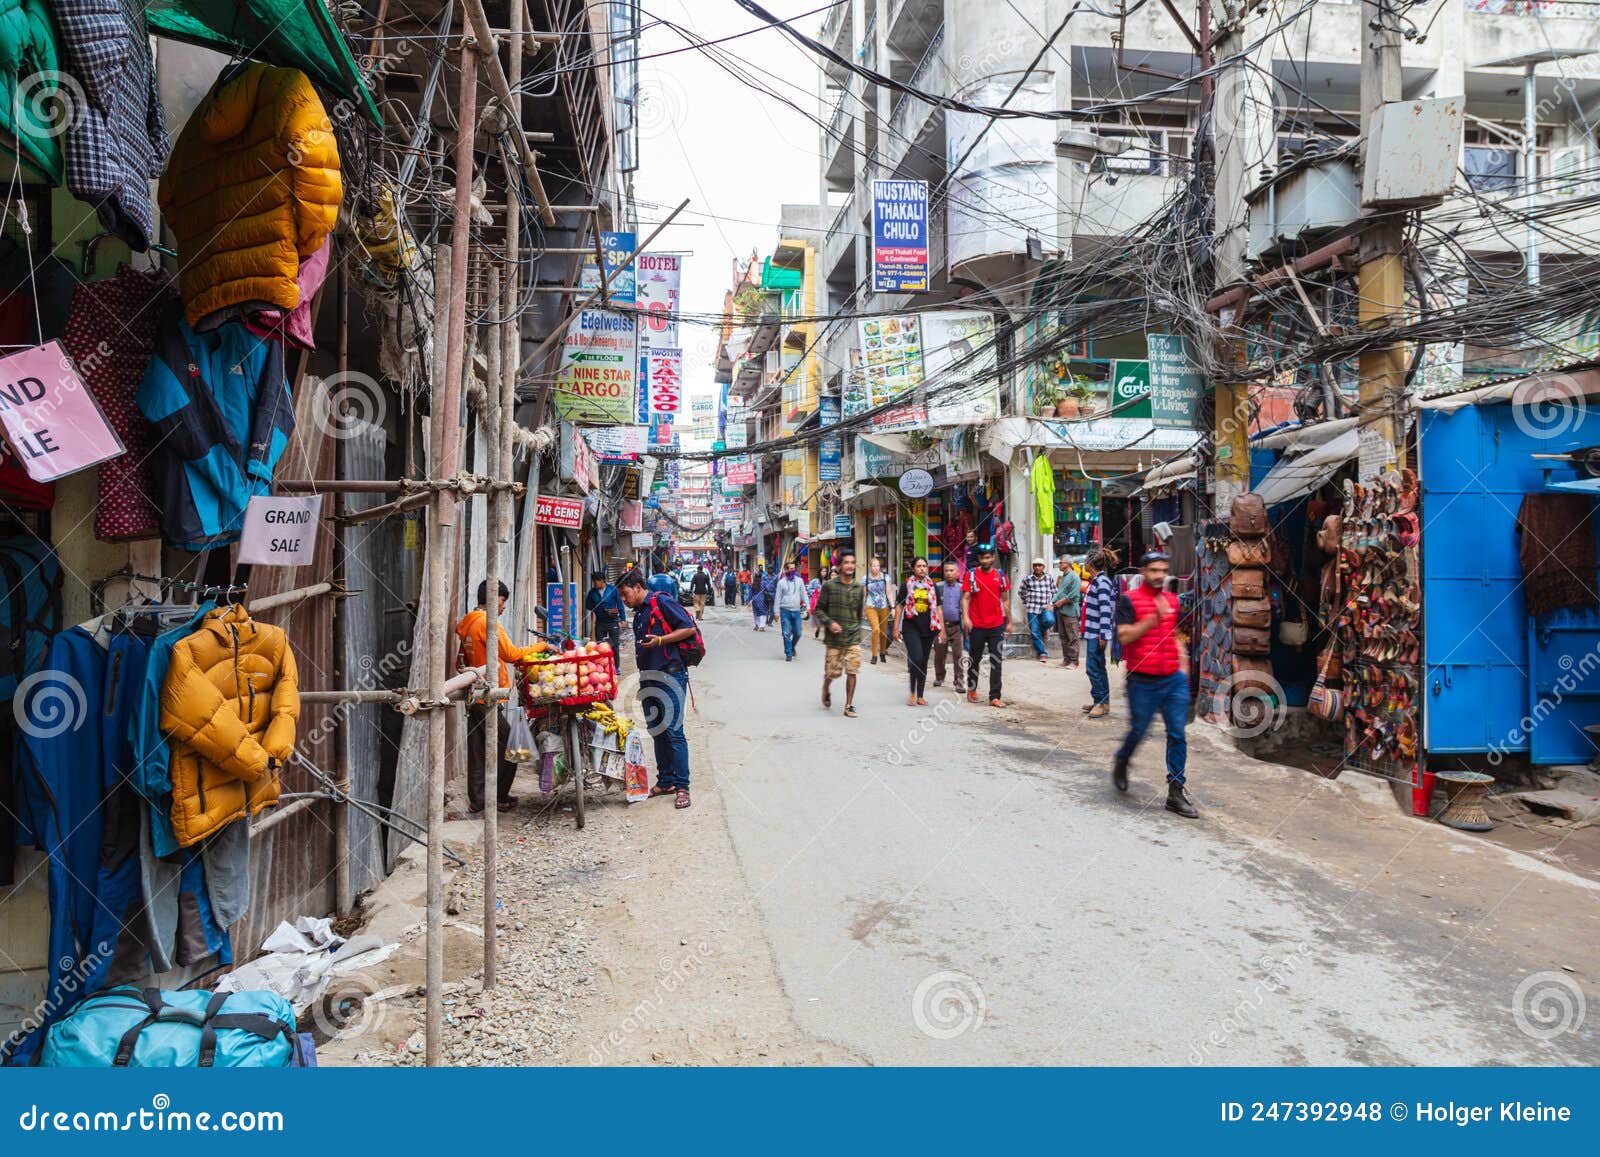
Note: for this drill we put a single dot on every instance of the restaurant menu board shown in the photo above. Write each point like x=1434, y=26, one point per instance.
x=891, y=353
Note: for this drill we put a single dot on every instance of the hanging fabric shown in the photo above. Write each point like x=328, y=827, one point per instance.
x=110, y=334
x=116, y=140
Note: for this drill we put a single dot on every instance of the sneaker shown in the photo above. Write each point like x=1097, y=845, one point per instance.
x=1100, y=710
x=1119, y=774
x=996, y=703
x=938, y=682
x=972, y=696
x=1178, y=801
x=1044, y=658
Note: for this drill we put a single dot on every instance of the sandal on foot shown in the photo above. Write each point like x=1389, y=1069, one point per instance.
x=660, y=790
x=682, y=798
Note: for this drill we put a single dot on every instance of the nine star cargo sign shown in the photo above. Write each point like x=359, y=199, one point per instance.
x=598, y=379
x=899, y=236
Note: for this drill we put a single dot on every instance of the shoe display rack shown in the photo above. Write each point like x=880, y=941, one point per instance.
x=1379, y=626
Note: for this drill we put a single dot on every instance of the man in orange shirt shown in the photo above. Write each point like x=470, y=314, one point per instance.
x=473, y=631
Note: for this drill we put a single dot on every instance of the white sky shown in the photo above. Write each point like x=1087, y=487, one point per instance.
x=735, y=152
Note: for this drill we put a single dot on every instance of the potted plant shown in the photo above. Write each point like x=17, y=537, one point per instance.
x=1045, y=399
x=1082, y=393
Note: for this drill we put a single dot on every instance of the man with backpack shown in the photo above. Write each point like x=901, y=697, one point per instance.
x=666, y=644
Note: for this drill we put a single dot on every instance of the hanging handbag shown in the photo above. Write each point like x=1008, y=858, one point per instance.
x=1247, y=517
x=1294, y=632
x=1252, y=640
x=1252, y=612
x=1327, y=702
x=1249, y=552
x=1248, y=583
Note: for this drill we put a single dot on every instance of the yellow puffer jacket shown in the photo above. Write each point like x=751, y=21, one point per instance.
x=228, y=707
x=253, y=187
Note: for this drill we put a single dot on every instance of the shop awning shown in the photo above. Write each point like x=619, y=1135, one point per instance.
x=1108, y=435
x=1296, y=477
x=1589, y=486
x=289, y=33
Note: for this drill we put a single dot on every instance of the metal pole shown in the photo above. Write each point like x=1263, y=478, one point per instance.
x=446, y=424
x=1530, y=182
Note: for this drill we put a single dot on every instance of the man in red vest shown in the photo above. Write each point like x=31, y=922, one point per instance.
x=1147, y=628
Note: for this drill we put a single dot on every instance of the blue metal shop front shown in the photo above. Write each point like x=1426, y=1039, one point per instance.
x=1497, y=681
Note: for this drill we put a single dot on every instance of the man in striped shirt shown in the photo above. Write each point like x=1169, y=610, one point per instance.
x=1099, y=627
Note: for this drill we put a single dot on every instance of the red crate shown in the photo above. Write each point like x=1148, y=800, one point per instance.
x=538, y=706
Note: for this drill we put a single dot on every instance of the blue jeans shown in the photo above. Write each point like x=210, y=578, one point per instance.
x=744, y=593
x=1095, y=666
x=665, y=697
x=791, y=630
x=1036, y=628
x=1168, y=695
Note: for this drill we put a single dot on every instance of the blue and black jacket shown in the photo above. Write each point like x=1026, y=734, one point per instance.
x=222, y=414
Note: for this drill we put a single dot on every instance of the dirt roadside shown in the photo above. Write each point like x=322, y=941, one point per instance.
x=633, y=942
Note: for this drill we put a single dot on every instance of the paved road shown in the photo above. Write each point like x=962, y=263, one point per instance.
x=959, y=885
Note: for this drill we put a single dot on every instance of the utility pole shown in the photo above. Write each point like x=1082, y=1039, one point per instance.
x=1244, y=133
x=1381, y=281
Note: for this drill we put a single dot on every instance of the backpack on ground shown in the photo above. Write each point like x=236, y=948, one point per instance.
x=146, y=1028
x=690, y=650
x=30, y=612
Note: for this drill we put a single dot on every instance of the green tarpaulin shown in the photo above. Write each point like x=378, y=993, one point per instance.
x=292, y=33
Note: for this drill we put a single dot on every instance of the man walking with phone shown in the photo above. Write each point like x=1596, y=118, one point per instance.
x=1147, y=628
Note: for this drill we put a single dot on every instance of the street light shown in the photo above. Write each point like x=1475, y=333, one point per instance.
x=1529, y=62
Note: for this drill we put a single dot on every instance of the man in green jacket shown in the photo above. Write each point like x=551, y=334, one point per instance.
x=1069, y=605
x=840, y=608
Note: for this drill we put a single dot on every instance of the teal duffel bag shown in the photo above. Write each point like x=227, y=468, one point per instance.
x=149, y=1029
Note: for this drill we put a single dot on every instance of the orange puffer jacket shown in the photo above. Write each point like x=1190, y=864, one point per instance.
x=229, y=707
x=252, y=189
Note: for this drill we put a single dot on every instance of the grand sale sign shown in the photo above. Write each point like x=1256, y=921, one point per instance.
x=49, y=416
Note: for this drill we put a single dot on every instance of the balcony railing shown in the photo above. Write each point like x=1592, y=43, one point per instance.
x=929, y=76
x=845, y=217
x=1538, y=9
x=836, y=128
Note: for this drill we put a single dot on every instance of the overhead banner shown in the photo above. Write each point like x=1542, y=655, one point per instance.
x=830, y=448
x=618, y=443
x=617, y=248
x=597, y=381
x=663, y=378
x=1176, y=381
x=960, y=367
x=657, y=281
x=899, y=236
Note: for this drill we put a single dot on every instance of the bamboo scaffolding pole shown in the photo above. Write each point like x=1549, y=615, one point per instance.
x=513, y=106
x=490, y=431
x=445, y=421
